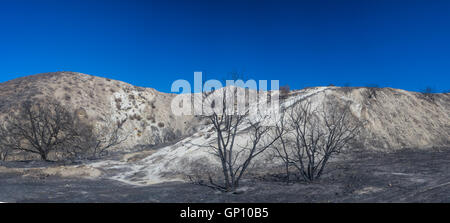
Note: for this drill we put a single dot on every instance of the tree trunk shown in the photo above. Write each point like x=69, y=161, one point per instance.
x=287, y=173
x=44, y=156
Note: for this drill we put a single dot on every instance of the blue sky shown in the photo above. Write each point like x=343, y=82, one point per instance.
x=400, y=44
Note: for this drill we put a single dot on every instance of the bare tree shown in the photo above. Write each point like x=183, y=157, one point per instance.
x=40, y=128
x=81, y=145
x=107, y=136
x=314, y=136
x=4, y=152
x=93, y=141
x=281, y=147
x=48, y=127
x=234, y=159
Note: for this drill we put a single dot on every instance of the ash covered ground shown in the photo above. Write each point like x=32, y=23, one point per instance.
x=408, y=175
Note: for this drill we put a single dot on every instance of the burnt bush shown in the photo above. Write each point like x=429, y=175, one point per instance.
x=40, y=128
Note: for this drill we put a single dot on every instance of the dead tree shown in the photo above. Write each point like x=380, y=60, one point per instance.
x=41, y=128
x=4, y=152
x=281, y=147
x=48, y=127
x=94, y=141
x=316, y=135
x=107, y=136
x=227, y=123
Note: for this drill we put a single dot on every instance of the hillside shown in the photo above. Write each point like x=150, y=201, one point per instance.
x=405, y=140
x=394, y=119
x=101, y=100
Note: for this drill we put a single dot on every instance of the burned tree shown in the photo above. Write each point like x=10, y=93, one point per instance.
x=107, y=136
x=4, y=152
x=314, y=136
x=41, y=128
x=227, y=123
x=47, y=127
x=94, y=141
x=282, y=148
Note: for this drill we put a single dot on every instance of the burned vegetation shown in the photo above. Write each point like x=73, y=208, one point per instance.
x=50, y=131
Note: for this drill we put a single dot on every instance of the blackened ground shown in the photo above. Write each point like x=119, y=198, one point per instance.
x=402, y=176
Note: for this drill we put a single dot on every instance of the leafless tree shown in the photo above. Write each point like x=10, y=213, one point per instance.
x=48, y=127
x=40, y=128
x=281, y=147
x=94, y=141
x=314, y=136
x=80, y=145
x=4, y=152
x=108, y=135
x=234, y=159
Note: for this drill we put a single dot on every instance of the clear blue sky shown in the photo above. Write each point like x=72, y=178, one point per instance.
x=401, y=44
